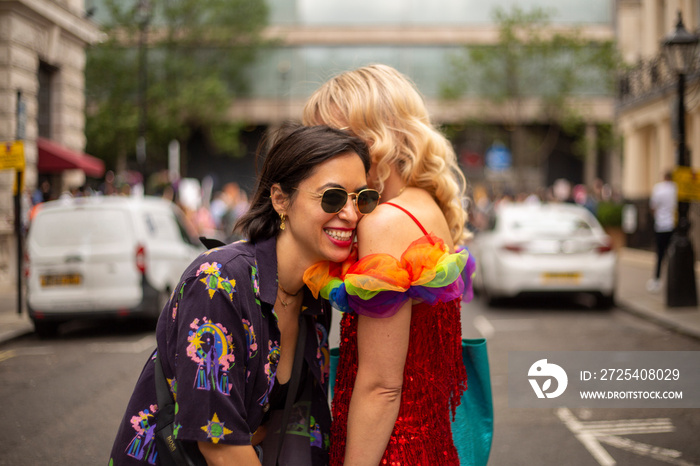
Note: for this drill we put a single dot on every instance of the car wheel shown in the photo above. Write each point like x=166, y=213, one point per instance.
x=492, y=301
x=483, y=290
x=605, y=302
x=46, y=329
x=489, y=298
x=163, y=298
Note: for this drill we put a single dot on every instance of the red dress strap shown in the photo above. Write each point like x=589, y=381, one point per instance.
x=410, y=215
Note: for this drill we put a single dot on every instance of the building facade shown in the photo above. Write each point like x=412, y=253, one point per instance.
x=321, y=38
x=42, y=103
x=42, y=59
x=647, y=106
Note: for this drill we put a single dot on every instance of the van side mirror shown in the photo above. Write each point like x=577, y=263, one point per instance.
x=211, y=243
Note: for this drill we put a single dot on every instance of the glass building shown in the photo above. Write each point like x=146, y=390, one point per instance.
x=319, y=38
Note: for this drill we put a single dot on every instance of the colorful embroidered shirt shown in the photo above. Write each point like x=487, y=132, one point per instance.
x=219, y=343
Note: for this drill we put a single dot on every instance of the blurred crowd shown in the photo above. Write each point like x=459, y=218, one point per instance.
x=486, y=199
x=211, y=213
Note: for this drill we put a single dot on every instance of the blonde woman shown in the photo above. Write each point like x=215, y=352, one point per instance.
x=400, y=373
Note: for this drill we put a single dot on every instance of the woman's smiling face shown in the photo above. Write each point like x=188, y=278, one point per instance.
x=321, y=235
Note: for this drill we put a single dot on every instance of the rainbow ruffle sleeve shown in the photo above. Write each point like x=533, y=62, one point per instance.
x=379, y=284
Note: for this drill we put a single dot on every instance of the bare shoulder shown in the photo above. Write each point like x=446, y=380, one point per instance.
x=387, y=230
x=390, y=230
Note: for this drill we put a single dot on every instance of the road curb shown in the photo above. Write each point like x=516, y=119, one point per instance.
x=658, y=319
x=12, y=334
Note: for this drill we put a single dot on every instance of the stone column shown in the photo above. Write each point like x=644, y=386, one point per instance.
x=667, y=151
x=634, y=163
x=650, y=15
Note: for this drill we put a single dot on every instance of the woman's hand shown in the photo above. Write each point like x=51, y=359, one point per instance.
x=228, y=455
x=259, y=435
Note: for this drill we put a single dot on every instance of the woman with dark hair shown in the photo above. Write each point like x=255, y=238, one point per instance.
x=228, y=335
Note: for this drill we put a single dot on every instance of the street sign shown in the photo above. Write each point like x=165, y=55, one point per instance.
x=498, y=157
x=688, y=183
x=21, y=117
x=12, y=155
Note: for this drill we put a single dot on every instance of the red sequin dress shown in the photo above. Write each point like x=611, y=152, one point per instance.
x=434, y=375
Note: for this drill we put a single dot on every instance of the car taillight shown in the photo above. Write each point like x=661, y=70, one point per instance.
x=517, y=248
x=606, y=247
x=141, y=258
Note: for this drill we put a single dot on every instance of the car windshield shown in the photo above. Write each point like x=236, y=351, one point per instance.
x=546, y=222
x=80, y=227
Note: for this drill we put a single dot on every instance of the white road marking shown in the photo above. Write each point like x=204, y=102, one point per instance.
x=513, y=325
x=586, y=438
x=631, y=426
x=667, y=455
x=484, y=327
x=146, y=343
x=592, y=433
x=487, y=328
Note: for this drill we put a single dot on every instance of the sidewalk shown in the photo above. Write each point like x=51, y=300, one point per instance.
x=12, y=324
x=634, y=269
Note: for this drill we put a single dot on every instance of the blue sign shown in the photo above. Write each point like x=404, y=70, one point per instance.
x=498, y=157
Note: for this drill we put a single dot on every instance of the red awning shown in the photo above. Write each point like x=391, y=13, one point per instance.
x=53, y=158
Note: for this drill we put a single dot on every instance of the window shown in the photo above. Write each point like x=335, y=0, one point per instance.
x=82, y=228
x=46, y=77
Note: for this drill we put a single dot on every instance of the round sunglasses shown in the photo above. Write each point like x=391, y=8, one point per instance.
x=334, y=199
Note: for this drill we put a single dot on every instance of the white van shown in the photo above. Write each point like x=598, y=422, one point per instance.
x=104, y=256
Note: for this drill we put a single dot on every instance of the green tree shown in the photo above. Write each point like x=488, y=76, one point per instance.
x=193, y=54
x=533, y=62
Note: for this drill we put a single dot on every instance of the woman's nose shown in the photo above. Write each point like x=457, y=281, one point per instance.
x=349, y=211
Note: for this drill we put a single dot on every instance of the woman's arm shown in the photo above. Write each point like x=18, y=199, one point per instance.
x=233, y=455
x=382, y=346
x=200, y=398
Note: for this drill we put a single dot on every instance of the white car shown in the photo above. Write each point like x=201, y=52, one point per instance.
x=557, y=248
x=104, y=256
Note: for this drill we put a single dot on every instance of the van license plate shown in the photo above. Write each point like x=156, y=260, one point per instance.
x=561, y=277
x=61, y=280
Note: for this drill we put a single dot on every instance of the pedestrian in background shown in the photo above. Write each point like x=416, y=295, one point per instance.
x=663, y=204
x=400, y=371
x=226, y=340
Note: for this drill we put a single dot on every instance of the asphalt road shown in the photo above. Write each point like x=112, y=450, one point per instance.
x=61, y=400
x=548, y=436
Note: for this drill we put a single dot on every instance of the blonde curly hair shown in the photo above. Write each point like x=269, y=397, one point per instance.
x=385, y=109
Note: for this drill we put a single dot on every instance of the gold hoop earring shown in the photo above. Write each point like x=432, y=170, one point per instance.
x=282, y=225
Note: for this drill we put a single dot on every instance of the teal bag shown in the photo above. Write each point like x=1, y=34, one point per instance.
x=472, y=428
x=335, y=354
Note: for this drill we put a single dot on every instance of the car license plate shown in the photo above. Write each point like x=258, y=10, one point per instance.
x=561, y=277
x=61, y=280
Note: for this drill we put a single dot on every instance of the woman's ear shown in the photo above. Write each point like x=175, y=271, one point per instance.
x=280, y=201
